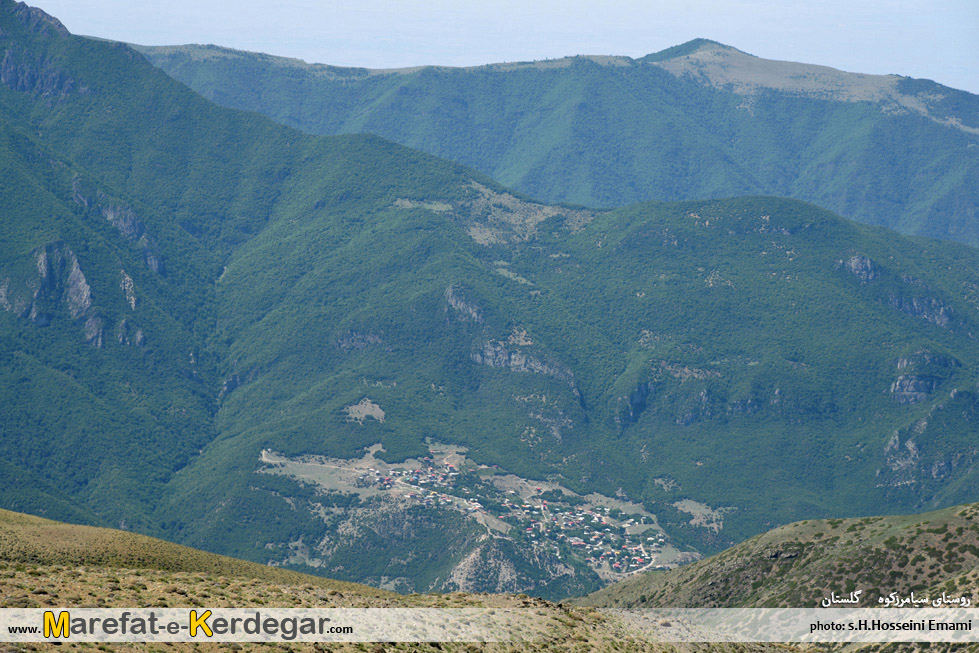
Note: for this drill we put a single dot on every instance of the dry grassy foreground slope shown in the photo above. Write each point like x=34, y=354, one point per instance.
x=46, y=563
x=29, y=540
x=798, y=564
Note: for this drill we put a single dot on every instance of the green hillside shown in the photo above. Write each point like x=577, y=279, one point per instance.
x=800, y=564
x=346, y=357
x=700, y=120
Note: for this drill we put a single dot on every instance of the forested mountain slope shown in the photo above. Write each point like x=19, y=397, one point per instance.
x=699, y=120
x=327, y=353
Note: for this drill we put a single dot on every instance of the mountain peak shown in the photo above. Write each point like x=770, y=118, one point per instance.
x=33, y=18
x=687, y=48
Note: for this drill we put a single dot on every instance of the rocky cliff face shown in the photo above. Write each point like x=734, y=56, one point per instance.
x=128, y=288
x=912, y=388
x=912, y=462
x=55, y=283
x=498, y=354
x=902, y=292
x=60, y=275
x=52, y=285
x=688, y=395
x=635, y=403
x=33, y=19
x=863, y=268
x=493, y=566
x=122, y=217
x=60, y=281
x=23, y=72
x=921, y=373
x=931, y=309
x=128, y=335
x=922, y=459
x=463, y=307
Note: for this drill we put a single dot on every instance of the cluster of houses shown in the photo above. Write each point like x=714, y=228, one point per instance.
x=592, y=534
x=444, y=476
x=618, y=546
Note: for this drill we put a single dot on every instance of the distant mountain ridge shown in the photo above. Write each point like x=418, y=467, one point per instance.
x=721, y=66
x=708, y=62
x=699, y=120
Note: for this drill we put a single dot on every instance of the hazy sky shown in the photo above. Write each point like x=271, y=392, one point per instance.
x=936, y=39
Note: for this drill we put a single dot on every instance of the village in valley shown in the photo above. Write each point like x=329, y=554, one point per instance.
x=614, y=537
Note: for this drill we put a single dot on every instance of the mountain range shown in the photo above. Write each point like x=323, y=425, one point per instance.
x=326, y=353
x=698, y=120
